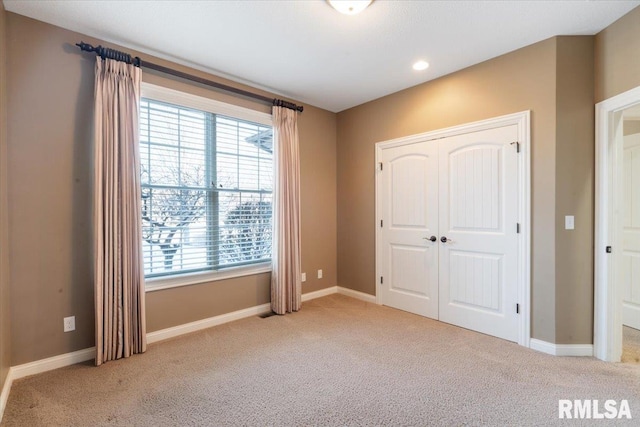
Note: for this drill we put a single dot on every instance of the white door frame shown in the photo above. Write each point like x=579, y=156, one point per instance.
x=607, y=328
x=522, y=120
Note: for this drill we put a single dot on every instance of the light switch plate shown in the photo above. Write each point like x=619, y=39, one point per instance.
x=569, y=222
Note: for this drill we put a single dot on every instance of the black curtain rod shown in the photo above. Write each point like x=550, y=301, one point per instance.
x=105, y=52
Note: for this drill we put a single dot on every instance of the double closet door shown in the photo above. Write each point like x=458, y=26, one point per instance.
x=448, y=237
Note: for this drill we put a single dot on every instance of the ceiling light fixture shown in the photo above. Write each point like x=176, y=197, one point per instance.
x=349, y=7
x=421, y=65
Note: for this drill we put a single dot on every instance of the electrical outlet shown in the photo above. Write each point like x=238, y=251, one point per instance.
x=319, y=274
x=70, y=324
x=304, y=277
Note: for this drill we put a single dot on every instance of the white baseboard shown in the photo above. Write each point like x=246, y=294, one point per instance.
x=339, y=290
x=198, y=325
x=585, y=350
x=44, y=365
x=51, y=363
x=6, y=388
x=357, y=294
x=319, y=294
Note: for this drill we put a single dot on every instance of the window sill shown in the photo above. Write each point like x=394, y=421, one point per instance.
x=160, y=283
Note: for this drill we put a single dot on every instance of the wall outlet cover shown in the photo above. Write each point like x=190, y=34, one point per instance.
x=69, y=323
x=319, y=274
x=304, y=277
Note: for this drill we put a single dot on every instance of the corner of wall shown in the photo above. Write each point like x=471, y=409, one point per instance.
x=617, y=68
x=5, y=332
x=574, y=195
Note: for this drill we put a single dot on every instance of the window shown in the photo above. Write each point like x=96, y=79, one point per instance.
x=207, y=182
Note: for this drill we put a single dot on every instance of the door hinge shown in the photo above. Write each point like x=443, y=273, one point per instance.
x=517, y=146
x=517, y=308
x=380, y=223
x=518, y=227
x=381, y=280
x=608, y=249
x=381, y=167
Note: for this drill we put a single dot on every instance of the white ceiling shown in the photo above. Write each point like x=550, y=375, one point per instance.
x=307, y=51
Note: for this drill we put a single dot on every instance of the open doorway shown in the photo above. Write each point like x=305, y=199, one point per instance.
x=617, y=245
x=630, y=257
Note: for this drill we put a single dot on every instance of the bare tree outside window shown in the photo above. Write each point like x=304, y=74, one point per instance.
x=166, y=216
x=206, y=190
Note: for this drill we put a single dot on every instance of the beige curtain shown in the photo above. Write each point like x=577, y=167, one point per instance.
x=119, y=272
x=286, y=292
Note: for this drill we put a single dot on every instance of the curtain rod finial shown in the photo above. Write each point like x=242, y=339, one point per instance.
x=86, y=47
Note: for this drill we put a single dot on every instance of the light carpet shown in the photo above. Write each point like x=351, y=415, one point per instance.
x=338, y=362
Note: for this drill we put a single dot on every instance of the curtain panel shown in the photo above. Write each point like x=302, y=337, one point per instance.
x=118, y=269
x=286, y=290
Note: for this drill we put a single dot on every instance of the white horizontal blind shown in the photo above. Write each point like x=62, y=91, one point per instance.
x=207, y=183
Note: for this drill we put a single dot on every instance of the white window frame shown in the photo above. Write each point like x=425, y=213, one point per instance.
x=172, y=96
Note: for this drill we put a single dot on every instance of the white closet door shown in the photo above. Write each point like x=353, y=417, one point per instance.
x=409, y=211
x=478, y=216
x=631, y=232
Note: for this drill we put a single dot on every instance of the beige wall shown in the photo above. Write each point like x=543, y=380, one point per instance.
x=553, y=79
x=521, y=80
x=50, y=97
x=49, y=177
x=630, y=127
x=617, y=57
x=574, y=195
x=5, y=332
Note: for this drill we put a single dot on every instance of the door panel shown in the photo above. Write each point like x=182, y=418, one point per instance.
x=409, y=261
x=475, y=281
x=474, y=188
x=631, y=232
x=478, y=215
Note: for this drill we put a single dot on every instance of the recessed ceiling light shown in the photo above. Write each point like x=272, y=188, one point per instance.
x=349, y=7
x=421, y=65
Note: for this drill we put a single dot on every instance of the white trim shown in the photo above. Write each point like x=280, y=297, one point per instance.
x=580, y=350
x=55, y=362
x=164, y=94
x=51, y=363
x=319, y=294
x=522, y=121
x=210, y=322
x=357, y=295
x=198, y=325
x=60, y=361
x=577, y=350
x=607, y=331
x=542, y=346
x=6, y=388
x=160, y=283
x=172, y=96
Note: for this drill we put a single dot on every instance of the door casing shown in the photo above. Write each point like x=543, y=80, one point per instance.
x=522, y=120
x=607, y=318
